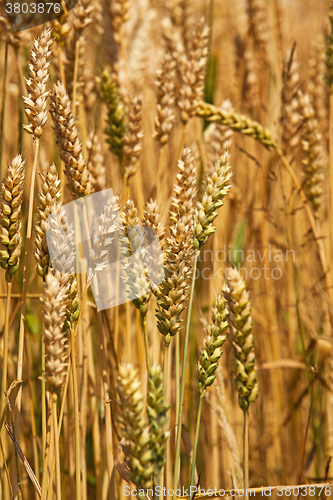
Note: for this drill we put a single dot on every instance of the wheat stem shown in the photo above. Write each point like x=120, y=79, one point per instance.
x=166, y=379
x=330, y=145
x=62, y=408
x=49, y=436
x=18, y=401
x=246, y=452
x=76, y=418
x=4, y=91
x=106, y=390
x=177, y=371
x=4, y=368
x=83, y=301
x=182, y=387
x=196, y=439
x=56, y=445
x=145, y=333
x=5, y=347
x=44, y=416
x=61, y=67
x=76, y=71
x=183, y=139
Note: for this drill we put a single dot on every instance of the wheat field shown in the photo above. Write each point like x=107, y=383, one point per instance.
x=203, y=360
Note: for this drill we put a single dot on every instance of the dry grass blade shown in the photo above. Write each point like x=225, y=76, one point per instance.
x=25, y=462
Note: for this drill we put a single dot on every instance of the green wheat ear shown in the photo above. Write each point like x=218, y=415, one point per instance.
x=216, y=189
x=116, y=120
x=156, y=409
x=136, y=442
x=240, y=323
x=211, y=351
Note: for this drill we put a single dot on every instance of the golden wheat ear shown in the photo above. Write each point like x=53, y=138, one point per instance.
x=54, y=308
x=69, y=146
x=10, y=216
x=49, y=199
x=35, y=103
x=173, y=291
x=191, y=71
x=313, y=151
x=166, y=99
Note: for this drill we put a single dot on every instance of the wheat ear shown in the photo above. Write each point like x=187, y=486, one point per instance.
x=136, y=442
x=259, y=29
x=69, y=146
x=116, y=120
x=217, y=139
x=35, y=103
x=191, y=71
x=49, y=198
x=173, y=291
x=216, y=189
x=313, y=151
x=166, y=98
x=290, y=112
